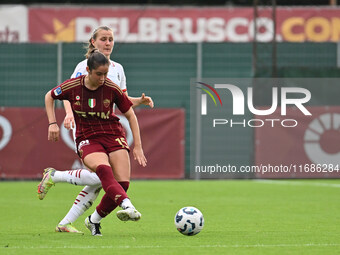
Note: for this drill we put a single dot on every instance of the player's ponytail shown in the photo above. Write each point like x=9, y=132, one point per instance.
x=90, y=47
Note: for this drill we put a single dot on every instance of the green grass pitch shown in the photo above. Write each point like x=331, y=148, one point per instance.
x=241, y=217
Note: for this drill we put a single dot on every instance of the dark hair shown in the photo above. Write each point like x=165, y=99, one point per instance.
x=96, y=59
x=90, y=46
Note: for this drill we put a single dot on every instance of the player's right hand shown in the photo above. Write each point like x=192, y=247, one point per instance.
x=53, y=133
x=146, y=100
x=69, y=121
x=138, y=155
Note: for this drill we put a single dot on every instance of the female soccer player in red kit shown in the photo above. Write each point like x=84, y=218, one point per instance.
x=100, y=138
x=102, y=38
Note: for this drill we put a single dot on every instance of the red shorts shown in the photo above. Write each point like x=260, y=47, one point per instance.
x=105, y=143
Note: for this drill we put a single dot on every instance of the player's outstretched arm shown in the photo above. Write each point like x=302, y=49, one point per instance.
x=137, y=150
x=142, y=100
x=53, y=129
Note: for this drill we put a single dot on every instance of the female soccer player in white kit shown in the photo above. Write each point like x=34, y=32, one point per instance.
x=101, y=39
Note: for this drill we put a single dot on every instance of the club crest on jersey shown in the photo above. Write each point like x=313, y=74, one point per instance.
x=92, y=102
x=57, y=91
x=106, y=103
x=77, y=98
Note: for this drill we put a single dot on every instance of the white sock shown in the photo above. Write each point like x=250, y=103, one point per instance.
x=83, y=202
x=126, y=203
x=95, y=217
x=76, y=177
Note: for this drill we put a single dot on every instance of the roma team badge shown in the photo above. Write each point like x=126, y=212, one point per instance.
x=106, y=103
x=92, y=102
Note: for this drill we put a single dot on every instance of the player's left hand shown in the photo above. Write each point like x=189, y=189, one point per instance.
x=138, y=155
x=53, y=133
x=146, y=100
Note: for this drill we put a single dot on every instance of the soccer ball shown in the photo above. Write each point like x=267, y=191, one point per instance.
x=189, y=221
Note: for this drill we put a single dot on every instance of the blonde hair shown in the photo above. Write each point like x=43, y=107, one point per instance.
x=90, y=46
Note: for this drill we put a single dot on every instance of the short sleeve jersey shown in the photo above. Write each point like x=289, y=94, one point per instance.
x=92, y=109
x=115, y=74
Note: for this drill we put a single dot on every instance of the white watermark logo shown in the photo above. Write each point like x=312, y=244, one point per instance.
x=238, y=106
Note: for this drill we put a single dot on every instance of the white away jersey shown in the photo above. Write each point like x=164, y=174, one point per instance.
x=116, y=73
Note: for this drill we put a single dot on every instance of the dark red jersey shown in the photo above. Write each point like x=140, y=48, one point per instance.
x=92, y=109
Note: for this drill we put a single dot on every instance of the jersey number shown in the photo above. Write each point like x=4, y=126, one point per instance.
x=122, y=142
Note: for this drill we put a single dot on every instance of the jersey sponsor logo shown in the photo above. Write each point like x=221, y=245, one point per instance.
x=106, y=103
x=57, y=91
x=101, y=115
x=92, y=102
x=78, y=74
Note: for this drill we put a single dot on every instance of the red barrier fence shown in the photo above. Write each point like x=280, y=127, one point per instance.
x=309, y=150
x=25, y=150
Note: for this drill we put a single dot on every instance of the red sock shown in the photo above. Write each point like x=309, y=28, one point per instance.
x=107, y=205
x=125, y=185
x=110, y=185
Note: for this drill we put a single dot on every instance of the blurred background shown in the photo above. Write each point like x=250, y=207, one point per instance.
x=162, y=45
